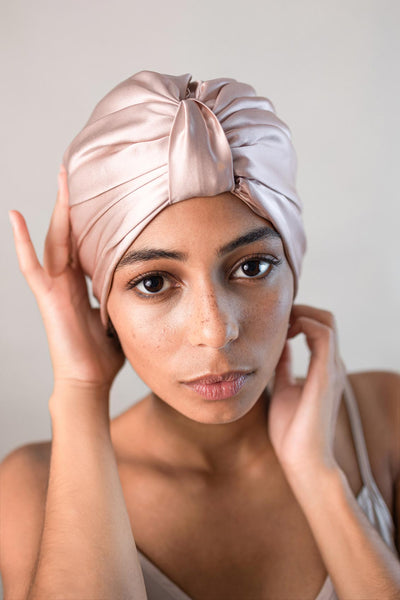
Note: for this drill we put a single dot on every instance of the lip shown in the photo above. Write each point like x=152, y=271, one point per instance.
x=224, y=388
x=217, y=377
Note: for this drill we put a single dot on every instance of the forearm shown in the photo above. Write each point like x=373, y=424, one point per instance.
x=357, y=559
x=87, y=548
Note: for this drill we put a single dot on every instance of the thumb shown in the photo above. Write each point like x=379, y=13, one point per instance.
x=283, y=371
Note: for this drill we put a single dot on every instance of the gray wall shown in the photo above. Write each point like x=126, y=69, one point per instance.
x=330, y=68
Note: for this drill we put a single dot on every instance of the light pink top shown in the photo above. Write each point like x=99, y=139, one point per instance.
x=160, y=587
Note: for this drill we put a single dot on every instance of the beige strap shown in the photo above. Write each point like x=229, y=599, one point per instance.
x=358, y=436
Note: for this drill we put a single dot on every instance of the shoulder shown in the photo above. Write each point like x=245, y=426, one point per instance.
x=33, y=457
x=378, y=398
x=23, y=484
x=384, y=383
x=31, y=460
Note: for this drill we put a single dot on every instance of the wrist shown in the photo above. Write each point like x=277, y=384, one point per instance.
x=78, y=386
x=79, y=396
x=313, y=482
x=327, y=497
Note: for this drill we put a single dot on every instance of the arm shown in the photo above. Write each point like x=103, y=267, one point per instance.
x=359, y=562
x=24, y=483
x=87, y=548
x=302, y=423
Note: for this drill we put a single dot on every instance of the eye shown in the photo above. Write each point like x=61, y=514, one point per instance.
x=152, y=284
x=257, y=267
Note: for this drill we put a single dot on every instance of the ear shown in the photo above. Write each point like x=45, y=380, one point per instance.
x=111, y=333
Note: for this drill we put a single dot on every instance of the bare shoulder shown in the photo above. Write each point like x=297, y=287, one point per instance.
x=29, y=463
x=384, y=385
x=34, y=456
x=378, y=398
x=23, y=485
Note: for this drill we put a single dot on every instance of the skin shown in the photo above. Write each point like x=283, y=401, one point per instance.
x=301, y=417
x=230, y=318
x=205, y=315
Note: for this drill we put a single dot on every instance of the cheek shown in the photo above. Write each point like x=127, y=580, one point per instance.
x=266, y=322
x=145, y=336
x=270, y=314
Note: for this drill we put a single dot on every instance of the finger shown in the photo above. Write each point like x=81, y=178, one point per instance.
x=283, y=370
x=27, y=259
x=320, y=315
x=323, y=368
x=319, y=337
x=57, y=244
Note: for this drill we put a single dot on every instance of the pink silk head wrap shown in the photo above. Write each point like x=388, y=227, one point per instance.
x=157, y=139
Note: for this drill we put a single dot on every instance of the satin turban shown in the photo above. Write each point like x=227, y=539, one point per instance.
x=157, y=139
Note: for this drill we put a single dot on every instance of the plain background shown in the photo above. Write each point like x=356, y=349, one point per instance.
x=331, y=70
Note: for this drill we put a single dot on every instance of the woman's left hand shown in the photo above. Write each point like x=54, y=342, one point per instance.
x=302, y=417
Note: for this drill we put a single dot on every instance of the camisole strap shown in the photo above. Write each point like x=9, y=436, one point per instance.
x=370, y=498
x=358, y=437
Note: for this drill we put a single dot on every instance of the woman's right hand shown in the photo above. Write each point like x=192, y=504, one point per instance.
x=80, y=350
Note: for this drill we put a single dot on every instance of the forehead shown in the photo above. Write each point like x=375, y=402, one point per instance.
x=203, y=219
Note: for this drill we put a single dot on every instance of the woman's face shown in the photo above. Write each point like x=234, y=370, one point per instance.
x=212, y=307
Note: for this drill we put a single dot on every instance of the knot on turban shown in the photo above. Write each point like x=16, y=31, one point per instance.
x=157, y=139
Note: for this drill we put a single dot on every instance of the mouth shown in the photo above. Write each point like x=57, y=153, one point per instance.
x=217, y=377
x=219, y=387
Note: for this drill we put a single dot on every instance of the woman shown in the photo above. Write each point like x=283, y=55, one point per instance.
x=231, y=479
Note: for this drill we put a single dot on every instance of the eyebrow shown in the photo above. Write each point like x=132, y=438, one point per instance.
x=145, y=254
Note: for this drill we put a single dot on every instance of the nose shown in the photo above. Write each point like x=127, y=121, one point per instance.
x=213, y=320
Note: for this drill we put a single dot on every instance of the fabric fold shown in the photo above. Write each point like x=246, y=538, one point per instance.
x=156, y=139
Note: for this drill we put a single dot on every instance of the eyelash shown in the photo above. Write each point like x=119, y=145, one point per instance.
x=273, y=262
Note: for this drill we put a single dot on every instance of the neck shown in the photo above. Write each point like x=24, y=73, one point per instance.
x=216, y=449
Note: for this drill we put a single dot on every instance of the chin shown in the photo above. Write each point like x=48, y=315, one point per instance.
x=218, y=411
